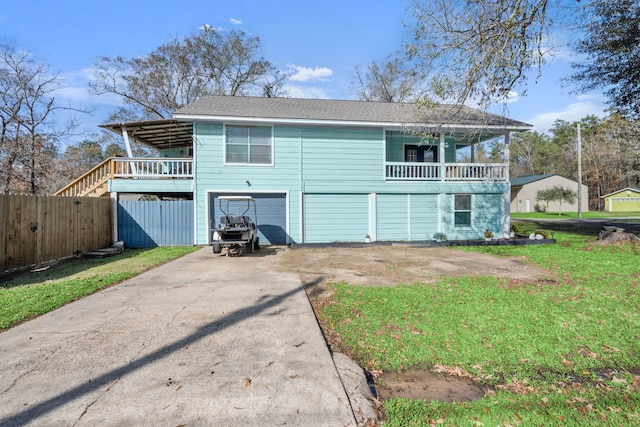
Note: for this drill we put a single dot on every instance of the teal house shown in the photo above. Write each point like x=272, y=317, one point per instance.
x=322, y=170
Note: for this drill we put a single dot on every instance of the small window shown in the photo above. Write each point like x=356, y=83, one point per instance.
x=462, y=210
x=248, y=145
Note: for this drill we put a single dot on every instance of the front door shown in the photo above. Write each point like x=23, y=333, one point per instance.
x=420, y=153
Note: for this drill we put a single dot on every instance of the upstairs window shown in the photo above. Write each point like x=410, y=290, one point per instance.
x=462, y=210
x=249, y=145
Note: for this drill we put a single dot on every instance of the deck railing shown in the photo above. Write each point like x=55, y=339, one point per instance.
x=95, y=182
x=90, y=182
x=404, y=171
x=153, y=168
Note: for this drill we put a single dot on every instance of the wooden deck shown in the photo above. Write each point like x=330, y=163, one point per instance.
x=95, y=183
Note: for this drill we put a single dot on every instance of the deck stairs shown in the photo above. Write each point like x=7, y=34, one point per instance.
x=94, y=183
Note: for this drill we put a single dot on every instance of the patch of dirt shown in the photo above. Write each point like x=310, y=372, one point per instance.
x=387, y=266
x=393, y=264
x=422, y=384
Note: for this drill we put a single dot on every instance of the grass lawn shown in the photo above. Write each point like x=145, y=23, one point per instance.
x=32, y=294
x=564, y=352
x=574, y=215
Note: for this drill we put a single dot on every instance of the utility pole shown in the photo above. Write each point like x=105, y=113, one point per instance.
x=579, y=174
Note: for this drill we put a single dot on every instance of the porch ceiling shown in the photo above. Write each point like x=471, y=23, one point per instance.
x=157, y=134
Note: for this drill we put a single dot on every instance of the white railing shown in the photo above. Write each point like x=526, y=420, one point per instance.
x=413, y=171
x=404, y=171
x=153, y=168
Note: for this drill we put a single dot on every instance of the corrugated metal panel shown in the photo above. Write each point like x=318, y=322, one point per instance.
x=177, y=223
x=145, y=224
x=336, y=217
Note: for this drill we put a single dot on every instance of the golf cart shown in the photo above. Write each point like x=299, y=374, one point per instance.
x=236, y=231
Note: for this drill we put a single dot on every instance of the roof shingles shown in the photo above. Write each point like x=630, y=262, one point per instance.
x=343, y=111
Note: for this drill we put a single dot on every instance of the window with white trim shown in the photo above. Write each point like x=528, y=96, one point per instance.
x=249, y=145
x=462, y=210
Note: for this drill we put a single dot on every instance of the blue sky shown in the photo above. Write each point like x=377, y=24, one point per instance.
x=317, y=43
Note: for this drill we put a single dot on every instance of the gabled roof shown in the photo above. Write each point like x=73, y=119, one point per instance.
x=637, y=190
x=339, y=112
x=521, y=180
x=178, y=132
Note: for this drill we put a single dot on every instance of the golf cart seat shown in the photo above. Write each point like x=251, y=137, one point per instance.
x=235, y=220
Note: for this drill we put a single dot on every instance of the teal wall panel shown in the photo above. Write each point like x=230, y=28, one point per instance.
x=348, y=156
x=425, y=216
x=142, y=186
x=487, y=212
x=393, y=217
x=336, y=217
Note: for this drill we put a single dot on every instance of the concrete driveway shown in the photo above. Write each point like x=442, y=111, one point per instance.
x=203, y=340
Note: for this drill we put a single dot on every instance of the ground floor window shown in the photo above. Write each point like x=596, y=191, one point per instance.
x=462, y=210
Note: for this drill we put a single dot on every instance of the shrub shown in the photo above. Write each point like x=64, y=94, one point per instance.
x=440, y=237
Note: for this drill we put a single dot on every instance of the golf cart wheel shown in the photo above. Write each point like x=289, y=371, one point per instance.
x=256, y=244
x=217, y=248
x=250, y=247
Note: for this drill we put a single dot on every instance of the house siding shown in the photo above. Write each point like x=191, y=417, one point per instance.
x=393, y=217
x=343, y=158
x=330, y=175
x=151, y=186
x=425, y=216
x=336, y=217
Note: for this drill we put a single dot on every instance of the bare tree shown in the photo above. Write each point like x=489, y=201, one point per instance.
x=205, y=63
x=388, y=81
x=482, y=50
x=28, y=133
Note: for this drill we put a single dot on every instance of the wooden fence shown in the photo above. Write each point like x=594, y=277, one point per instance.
x=38, y=229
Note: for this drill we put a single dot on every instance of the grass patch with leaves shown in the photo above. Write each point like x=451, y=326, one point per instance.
x=562, y=352
x=574, y=215
x=31, y=294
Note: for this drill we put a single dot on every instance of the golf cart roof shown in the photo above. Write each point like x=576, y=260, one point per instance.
x=236, y=198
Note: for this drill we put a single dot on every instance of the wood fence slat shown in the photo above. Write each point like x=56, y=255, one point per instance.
x=63, y=227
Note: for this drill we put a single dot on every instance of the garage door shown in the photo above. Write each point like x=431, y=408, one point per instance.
x=272, y=215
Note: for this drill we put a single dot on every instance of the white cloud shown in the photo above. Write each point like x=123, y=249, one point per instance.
x=76, y=89
x=583, y=106
x=235, y=21
x=309, y=92
x=210, y=27
x=307, y=74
